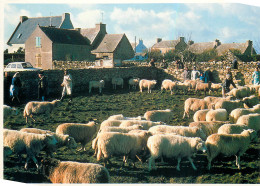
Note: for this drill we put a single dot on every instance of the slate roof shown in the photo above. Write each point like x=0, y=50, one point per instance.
x=64, y=36
x=166, y=44
x=223, y=48
x=25, y=29
x=90, y=33
x=109, y=43
x=201, y=47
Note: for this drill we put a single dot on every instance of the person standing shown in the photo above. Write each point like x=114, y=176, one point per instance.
x=235, y=64
x=206, y=75
x=186, y=74
x=228, y=81
x=42, y=86
x=15, y=87
x=256, y=76
x=195, y=73
x=67, y=85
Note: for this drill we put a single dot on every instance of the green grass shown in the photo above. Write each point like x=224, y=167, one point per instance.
x=131, y=104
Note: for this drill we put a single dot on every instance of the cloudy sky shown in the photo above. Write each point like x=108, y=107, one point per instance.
x=228, y=21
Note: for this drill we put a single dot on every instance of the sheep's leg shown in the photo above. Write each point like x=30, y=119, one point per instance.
x=34, y=160
x=178, y=165
x=192, y=164
x=139, y=158
x=151, y=164
x=238, y=161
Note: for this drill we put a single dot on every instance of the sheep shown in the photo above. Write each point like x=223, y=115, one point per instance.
x=229, y=105
x=117, y=81
x=74, y=172
x=232, y=128
x=208, y=127
x=251, y=120
x=149, y=84
x=110, y=123
x=192, y=83
x=236, y=113
x=30, y=143
x=125, y=144
x=121, y=117
x=203, y=87
x=62, y=140
x=229, y=145
x=82, y=133
x=200, y=115
x=194, y=104
x=213, y=100
x=184, y=87
x=239, y=92
x=159, y=115
x=37, y=107
x=168, y=84
x=251, y=101
x=217, y=115
x=121, y=129
x=96, y=84
x=133, y=82
x=173, y=146
x=180, y=130
x=146, y=124
x=9, y=111
x=215, y=87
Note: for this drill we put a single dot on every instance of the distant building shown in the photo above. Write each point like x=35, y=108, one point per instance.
x=47, y=44
x=198, y=48
x=115, y=47
x=28, y=24
x=165, y=46
x=140, y=51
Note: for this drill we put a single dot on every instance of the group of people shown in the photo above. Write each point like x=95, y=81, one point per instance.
x=195, y=74
x=16, y=85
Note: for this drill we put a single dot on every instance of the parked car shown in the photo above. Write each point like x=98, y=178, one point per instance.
x=20, y=66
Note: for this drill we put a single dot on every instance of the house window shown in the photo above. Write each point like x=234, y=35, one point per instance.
x=38, y=42
x=19, y=35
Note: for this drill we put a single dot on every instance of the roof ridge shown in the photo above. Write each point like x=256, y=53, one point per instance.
x=43, y=17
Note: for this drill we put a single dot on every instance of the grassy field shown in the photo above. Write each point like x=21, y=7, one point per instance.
x=85, y=108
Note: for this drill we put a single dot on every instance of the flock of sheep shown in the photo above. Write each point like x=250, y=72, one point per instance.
x=222, y=125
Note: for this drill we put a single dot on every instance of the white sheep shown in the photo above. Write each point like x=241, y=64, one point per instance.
x=39, y=107
x=121, y=117
x=251, y=120
x=120, y=144
x=9, y=111
x=117, y=82
x=173, y=146
x=203, y=87
x=232, y=128
x=74, y=172
x=213, y=100
x=200, y=115
x=195, y=104
x=32, y=144
x=208, y=127
x=229, y=145
x=217, y=115
x=82, y=133
x=168, y=84
x=184, y=87
x=133, y=82
x=236, y=113
x=251, y=101
x=192, y=82
x=215, y=87
x=239, y=92
x=110, y=123
x=146, y=124
x=121, y=129
x=180, y=130
x=96, y=84
x=229, y=105
x=159, y=115
x=62, y=140
x=149, y=84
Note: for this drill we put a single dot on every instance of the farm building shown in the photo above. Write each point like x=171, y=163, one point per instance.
x=28, y=24
x=48, y=43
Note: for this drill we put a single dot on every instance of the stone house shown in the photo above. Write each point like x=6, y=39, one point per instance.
x=198, y=48
x=28, y=24
x=115, y=47
x=47, y=44
x=165, y=46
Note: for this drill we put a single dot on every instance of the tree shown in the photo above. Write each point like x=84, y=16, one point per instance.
x=6, y=51
x=155, y=54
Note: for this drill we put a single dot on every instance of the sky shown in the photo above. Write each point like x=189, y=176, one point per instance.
x=228, y=21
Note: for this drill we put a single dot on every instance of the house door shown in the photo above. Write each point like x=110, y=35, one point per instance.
x=38, y=61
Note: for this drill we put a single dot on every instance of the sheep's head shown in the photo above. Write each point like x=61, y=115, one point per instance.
x=252, y=133
x=200, y=145
x=47, y=164
x=71, y=143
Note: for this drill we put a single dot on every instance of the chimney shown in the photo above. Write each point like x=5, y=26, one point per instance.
x=181, y=39
x=101, y=27
x=78, y=29
x=249, y=43
x=65, y=16
x=158, y=40
x=217, y=43
x=190, y=42
x=23, y=18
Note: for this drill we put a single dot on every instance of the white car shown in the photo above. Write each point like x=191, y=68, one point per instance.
x=20, y=66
